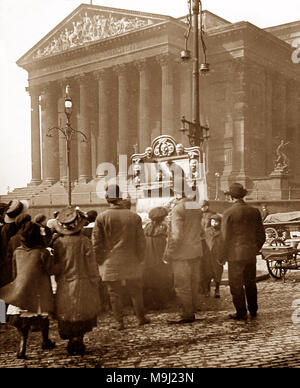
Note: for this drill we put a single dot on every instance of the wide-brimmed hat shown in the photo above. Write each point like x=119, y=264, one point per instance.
x=236, y=190
x=157, y=213
x=70, y=221
x=16, y=208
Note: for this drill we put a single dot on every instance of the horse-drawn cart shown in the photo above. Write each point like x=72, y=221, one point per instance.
x=281, y=256
x=282, y=226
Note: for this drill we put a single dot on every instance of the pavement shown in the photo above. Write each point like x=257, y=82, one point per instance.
x=272, y=340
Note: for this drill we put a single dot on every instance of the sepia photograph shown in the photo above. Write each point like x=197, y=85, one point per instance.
x=150, y=187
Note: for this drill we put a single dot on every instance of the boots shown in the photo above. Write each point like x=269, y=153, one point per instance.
x=76, y=346
x=23, y=342
x=47, y=343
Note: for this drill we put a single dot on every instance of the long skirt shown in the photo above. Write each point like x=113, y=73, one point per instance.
x=68, y=330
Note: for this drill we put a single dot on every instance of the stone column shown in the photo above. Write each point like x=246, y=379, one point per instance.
x=239, y=123
x=123, y=109
x=84, y=147
x=123, y=120
x=50, y=150
x=35, y=137
x=167, y=84
x=144, y=134
x=123, y=102
x=104, y=136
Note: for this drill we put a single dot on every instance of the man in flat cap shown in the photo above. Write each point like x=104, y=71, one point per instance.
x=244, y=235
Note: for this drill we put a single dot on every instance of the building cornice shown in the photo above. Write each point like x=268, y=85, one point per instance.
x=227, y=31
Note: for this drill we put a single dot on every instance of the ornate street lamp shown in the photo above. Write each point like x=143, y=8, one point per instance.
x=196, y=132
x=68, y=133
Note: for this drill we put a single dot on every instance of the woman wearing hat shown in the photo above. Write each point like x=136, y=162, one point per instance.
x=157, y=275
x=41, y=220
x=30, y=296
x=9, y=229
x=77, y=278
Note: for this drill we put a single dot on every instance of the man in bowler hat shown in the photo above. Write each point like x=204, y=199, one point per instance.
x=244, y=235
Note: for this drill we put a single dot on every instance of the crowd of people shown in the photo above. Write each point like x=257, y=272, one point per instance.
x=75, y=265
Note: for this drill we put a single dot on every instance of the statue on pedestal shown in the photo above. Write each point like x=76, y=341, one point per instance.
x=282, y=161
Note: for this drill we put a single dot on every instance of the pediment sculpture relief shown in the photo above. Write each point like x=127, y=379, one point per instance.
x=89, y=28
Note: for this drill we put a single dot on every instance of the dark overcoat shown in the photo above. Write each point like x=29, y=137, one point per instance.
x=119, y=244
x=215, y=244
x=187, y=233
x=77, y=278
x=157, y=274
x=31, y=289
x=7, y=232
x=242, y=231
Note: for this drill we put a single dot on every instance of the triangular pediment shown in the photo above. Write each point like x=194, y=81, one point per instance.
x=87, y=24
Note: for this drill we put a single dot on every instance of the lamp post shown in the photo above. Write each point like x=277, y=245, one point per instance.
x=196, y=132
x=68, y=133
x=217, y=176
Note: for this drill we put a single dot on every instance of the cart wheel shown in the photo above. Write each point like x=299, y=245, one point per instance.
x=274, y=267
x=271, y=234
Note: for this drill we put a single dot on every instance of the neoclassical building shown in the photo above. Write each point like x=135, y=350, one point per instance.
x=128, y=86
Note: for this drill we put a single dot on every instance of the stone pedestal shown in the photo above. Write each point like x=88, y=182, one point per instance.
x=279, y=183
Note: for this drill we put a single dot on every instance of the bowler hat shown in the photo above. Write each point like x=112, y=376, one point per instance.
x=236, y=190
x=16, y=208
x=70, y=221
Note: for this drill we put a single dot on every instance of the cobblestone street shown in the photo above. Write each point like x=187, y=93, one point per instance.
x=270, y=340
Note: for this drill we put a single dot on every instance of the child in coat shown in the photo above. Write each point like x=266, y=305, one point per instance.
x=30, y=295
x=215, y=245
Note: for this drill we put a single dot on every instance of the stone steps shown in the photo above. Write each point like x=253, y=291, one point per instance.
x=25, y=192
